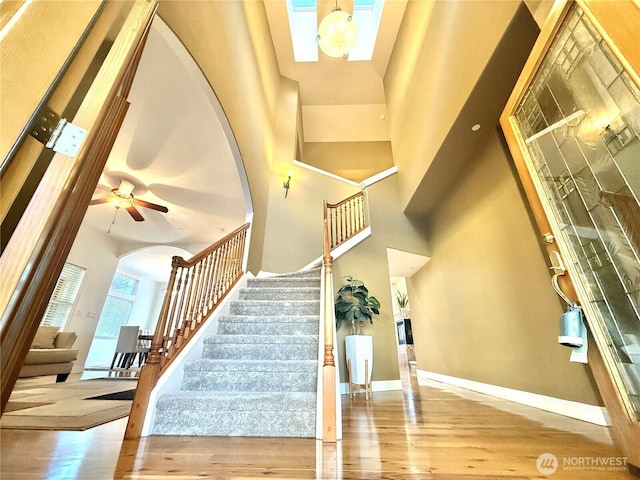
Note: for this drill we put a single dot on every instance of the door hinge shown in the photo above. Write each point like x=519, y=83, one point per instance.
x=57, y=133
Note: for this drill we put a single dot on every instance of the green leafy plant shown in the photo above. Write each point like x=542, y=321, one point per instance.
x=402, y=299
x=355, y=305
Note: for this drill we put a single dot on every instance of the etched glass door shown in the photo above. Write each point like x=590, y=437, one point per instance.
x=579, y=121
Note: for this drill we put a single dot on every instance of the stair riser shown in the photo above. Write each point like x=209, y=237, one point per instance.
x=274, y=308
x=279, y=294
x=236, y=423
x=249, y=381
x=263, y=351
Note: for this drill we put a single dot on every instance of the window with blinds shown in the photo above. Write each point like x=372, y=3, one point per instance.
x=64, y=296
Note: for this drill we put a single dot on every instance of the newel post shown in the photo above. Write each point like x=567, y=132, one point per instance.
x=328, y=367
x=151, y=369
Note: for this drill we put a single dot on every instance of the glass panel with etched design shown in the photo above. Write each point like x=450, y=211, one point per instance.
x=580, y=120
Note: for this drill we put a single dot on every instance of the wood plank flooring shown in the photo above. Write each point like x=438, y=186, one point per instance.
x=432, y=432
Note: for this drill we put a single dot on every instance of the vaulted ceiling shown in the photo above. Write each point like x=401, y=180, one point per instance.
x=175, y=126
x=172, y=130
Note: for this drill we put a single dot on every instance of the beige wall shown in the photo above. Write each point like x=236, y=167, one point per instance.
x=483, y=308
x=355, y=161
x=439, y=55
x=293, y=232
x=368, y=262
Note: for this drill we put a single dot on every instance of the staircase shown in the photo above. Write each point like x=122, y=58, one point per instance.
x=258, y=375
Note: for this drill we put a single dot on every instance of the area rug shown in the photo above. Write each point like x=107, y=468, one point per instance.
x=125, y=395
x=67, y=405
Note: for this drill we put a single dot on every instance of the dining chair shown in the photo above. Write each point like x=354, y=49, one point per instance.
x=126, y=347
x=142, y=348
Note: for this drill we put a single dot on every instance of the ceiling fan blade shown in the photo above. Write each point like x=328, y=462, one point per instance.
x=98, y=201
x=135, y=214
x=152, y=206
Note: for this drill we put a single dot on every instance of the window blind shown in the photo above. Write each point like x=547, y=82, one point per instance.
x=64, y=296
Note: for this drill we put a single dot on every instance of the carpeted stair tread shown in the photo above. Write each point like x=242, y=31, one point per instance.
x=269, y=325
x=214, y=364
x=311, y=272
x=251, y=376
x=270, y=318
x=278, y=282
x=264, y=414
x=298, y=293
x=239, y=401
x=274, y=307
x=285, y=321
x=261, y=351
x=258, y=375
x=259, y=339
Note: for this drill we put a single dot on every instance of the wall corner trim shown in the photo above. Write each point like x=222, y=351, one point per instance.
x=580, y=411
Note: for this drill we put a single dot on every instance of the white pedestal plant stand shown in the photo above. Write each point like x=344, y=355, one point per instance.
x=359, y=350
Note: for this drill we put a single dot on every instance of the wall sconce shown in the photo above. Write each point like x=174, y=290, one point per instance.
x=287, y=183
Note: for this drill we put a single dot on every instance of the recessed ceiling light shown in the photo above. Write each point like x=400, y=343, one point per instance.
x=476, y=127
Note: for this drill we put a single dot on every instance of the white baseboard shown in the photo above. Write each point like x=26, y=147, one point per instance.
x=581, y=411
x=377, y=386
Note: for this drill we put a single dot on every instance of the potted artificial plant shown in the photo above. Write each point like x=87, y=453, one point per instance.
x=403, y=302
x=355, y=305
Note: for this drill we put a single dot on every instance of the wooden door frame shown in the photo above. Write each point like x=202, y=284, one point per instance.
x=35, y=255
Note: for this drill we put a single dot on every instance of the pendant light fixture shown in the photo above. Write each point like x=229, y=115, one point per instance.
x=337, y=33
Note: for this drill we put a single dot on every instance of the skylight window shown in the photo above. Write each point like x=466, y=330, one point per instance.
x=303, y=23
x=367, y=15
x=363, y=4
x=303, y=5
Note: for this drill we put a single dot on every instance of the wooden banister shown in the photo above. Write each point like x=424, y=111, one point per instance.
x=195, y=288
x=345, y=219
x=342, y=221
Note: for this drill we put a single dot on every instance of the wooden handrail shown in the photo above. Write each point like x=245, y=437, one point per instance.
x=345, y=219
x=195, y=288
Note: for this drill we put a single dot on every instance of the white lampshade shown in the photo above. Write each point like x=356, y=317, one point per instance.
x=126, y=188
x=337, y=33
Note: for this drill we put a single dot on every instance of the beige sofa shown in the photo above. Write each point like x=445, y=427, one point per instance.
x=50, y=354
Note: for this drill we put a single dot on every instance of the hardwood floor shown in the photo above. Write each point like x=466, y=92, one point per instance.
x=424, y=432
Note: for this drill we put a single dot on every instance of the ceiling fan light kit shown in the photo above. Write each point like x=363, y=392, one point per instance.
x=337, y=33
x=122, y=197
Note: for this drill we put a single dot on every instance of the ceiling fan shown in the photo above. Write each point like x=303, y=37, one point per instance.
x=122, y=197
